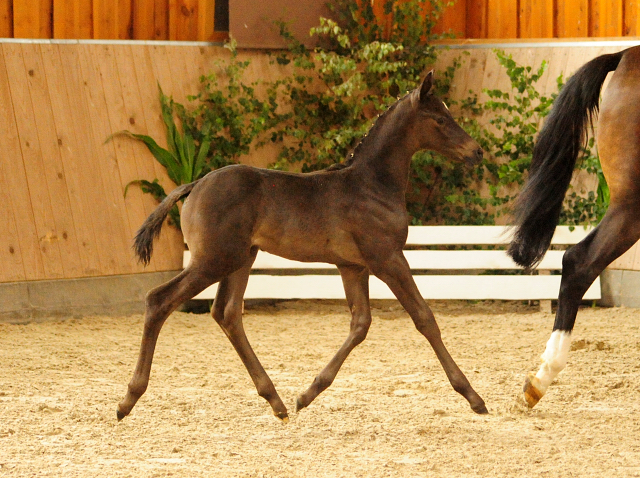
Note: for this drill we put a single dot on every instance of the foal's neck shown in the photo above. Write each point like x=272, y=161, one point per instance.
x=386, y=151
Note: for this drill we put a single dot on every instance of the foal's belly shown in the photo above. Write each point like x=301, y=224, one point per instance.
x=339, y=249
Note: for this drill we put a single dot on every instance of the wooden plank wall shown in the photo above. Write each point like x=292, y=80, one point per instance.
x=187, y=20
x=507, y=19
x=194, y=19
x=62, y=186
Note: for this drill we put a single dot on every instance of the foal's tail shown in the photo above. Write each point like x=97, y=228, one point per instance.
x=537, y=209
x=150, y=229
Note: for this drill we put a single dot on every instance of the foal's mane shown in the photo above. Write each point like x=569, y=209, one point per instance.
x=376, y=125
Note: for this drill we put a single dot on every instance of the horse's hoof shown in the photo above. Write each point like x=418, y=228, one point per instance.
x=480, y=409
x=282, y=416
x=532, y=394
x=120, y=415
x=299, y=405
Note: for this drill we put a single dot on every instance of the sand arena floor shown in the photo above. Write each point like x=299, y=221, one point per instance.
x=390, y=412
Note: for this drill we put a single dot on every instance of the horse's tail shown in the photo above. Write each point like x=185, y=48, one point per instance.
x=537, y=208
x=150, y=229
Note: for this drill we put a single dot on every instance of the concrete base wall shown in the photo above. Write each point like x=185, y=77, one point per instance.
x=109, y=295
x=620, y=288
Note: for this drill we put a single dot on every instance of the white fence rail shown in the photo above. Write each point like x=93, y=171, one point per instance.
x=439, y=274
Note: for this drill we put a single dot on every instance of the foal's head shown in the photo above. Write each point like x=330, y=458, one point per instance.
x=435, y=129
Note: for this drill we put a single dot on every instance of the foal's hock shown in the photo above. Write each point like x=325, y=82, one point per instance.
x=352, y=215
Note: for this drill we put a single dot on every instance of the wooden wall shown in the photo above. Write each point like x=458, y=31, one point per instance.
x=194, y=19
x=187, y=20
x=61, y=185
x=507, y=19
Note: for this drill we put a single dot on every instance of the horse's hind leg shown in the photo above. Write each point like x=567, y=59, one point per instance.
x=396, y=273
x=227, y=311
x=356, y=286
x=160, y=302
x=581, y=265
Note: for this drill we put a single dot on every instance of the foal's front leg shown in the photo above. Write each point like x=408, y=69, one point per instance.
x=356, y=286
x=227, y=311
x=396, y=273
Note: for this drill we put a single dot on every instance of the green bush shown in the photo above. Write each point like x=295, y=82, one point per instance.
x=222, y=122
x=334, y=92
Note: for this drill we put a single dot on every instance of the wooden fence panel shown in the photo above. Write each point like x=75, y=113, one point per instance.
x=476, y=19
x=536, y=18
x=191, y=20
x=631, y=20
x=128, y=153
x=18, y=234
x=150, y=20
x=32, y=18
x=6, y=18
x=605, y=19
x=572, y=19
x=63, y=234
x=32, y=157
x=72, y=19
x=80, y=177
x=183, y=20
x=113, y=203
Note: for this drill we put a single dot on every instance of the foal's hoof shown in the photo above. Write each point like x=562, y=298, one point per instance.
x=120, y=414
x=532, y=393
x=299, y=405
x=282, y=416
x=480, y=409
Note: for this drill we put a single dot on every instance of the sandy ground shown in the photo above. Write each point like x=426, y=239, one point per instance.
x=389, y=413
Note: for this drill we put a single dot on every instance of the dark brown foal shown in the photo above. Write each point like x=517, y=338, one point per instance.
x=352, y=215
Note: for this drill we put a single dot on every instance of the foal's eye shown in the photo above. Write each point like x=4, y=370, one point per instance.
x=440, y=120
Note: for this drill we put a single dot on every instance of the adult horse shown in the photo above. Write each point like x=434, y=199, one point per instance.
x=538, y=207
x=352, y=215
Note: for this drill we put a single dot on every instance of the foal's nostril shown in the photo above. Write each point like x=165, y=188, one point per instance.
x=479, y=153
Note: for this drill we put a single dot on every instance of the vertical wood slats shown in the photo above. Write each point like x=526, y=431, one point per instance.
x=61, y=184
x=32, y=18
x=572, y=19
x=191, y=20
x=507, y=19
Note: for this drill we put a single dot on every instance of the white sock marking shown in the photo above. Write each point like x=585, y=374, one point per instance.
x=554, y=358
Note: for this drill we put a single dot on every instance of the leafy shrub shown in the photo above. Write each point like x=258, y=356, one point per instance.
x=221, y=124
x=321, y=109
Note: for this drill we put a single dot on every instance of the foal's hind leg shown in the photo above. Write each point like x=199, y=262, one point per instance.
x=356, y=286
x=160, y=302
x=227, y=311
x=581, y=264
x=395, y=272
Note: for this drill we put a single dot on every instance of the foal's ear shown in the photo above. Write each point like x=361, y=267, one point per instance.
x=425, y=88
